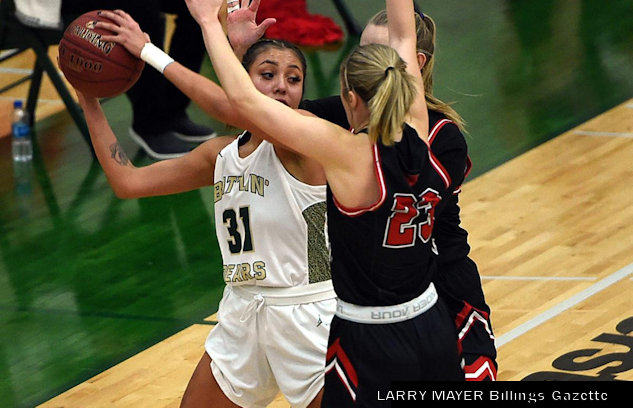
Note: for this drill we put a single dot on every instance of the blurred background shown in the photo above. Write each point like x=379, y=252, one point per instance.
x=88, y=280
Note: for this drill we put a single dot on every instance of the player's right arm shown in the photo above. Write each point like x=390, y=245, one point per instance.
x=208, y=95
x=205, y=93
x=189, y=172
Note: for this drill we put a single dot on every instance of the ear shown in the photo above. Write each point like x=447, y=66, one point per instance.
x=421, y=59
x=353, y=99
x=348, y=96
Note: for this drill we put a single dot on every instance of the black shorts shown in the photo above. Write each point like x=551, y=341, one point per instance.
x=459, y=284
x=364, y=359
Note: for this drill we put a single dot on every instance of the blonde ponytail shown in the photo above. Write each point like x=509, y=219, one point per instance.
x=378, y=75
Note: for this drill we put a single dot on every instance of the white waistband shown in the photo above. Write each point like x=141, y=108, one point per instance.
x=387, y=314
x=294, y=295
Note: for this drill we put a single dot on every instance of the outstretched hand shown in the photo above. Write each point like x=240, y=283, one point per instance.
x=126, y=31
x=242, y=28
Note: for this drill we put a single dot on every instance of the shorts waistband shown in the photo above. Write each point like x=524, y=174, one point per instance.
x=294, y=295
x=387, y=314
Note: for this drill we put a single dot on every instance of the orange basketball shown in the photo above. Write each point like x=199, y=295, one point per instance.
x=95, y=67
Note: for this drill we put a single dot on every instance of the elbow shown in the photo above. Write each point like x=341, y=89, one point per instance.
x=123, y=194
x=122, y=190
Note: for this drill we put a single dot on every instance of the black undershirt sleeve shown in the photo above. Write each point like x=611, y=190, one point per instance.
x=329, y=108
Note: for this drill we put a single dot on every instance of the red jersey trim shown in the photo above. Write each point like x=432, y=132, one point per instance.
x=440, y=169
x=483, y=369
x=436, y=163
x=335, y=351
x=355, y=212
x=436, y=129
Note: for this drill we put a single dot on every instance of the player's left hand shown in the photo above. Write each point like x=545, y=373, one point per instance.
x=242, y=28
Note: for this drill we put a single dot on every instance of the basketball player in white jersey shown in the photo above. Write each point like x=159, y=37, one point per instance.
x=269, y=203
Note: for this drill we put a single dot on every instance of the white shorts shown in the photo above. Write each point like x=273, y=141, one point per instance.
x=271, y=339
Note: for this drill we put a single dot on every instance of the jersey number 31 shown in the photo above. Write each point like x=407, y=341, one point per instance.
x=238, y=244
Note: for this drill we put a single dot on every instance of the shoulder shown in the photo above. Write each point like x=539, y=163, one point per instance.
x=444, y=134
x=215, y=145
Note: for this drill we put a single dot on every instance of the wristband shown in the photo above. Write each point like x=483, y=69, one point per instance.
x=155, y=57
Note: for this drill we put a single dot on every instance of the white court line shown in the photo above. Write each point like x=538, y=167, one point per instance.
x=610, y=134
x=536, y=278
x=6, y=52
x=564, y=305
x=21, y=71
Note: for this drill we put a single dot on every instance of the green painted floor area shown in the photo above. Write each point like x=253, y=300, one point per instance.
x=87, y=280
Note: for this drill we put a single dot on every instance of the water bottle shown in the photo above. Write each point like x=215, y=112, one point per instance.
x=23, y=177
x=21, y=145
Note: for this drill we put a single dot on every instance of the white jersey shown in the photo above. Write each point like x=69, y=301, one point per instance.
x=270, y=226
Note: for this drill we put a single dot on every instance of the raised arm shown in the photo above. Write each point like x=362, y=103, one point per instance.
x=402, y=38
x=208, y=95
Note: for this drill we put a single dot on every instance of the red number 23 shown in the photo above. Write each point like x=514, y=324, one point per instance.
x=402, y=228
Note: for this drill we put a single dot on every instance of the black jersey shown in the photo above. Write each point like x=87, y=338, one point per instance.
x=382, y=255
x=329, y=108
x=457, y=280
x=449, y=147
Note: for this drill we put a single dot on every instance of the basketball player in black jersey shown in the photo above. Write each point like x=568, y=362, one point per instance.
x=383, y=188
x=457, y=280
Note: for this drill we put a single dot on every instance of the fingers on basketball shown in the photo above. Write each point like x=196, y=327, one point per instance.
x=93, y=66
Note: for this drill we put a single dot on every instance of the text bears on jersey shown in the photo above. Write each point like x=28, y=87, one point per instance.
x=244, y=272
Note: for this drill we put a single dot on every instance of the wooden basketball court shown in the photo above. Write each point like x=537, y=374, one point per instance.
x=550, y=231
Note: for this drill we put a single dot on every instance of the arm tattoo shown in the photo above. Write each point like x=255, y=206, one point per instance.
x=118, y=155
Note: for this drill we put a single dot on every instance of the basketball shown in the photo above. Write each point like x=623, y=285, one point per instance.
x=95, y=67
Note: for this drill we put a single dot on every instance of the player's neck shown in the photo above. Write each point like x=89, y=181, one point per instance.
x=250, y=146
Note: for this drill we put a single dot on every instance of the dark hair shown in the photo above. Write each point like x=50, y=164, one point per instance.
x=264, y=44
